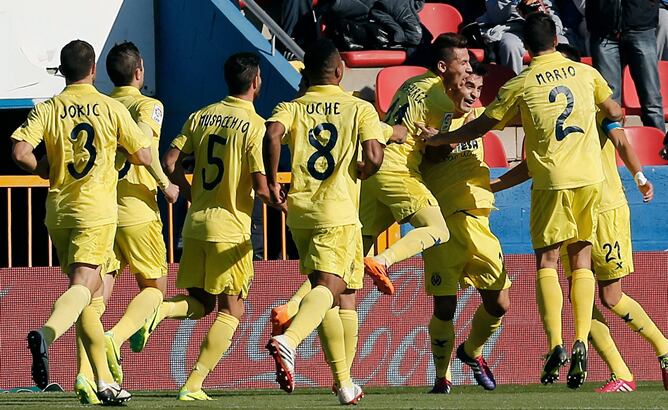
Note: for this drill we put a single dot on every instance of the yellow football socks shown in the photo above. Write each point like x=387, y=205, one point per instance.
x=442, y=334
x=92, y=336
x=218, y=339
x=139, y=310
x=483, y=327
x=83, y=363
x=430, y=230
x=181, y=307
x=550, y=302
x=312, y=310
x=296, y=299
x=583, y=288
x=606, y=348
x=333, y=345
x=637, y=319
x=66, y=311
x=350, y=324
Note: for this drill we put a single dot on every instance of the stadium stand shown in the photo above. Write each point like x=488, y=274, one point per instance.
x=497, y=75
x=373, y=58
x=440, y=18
x=646, y=142
x=630, y=99
x=388, y=81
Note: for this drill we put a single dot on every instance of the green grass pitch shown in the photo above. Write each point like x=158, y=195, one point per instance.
x=650, y=395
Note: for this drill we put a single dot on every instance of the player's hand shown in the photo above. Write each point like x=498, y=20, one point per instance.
x=647, y=191
x=171, y=193
x=664, y=152
x=426, y=134
x=42, y=169
x=276, y=194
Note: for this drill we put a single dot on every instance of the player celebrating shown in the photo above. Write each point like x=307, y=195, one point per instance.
x=459, y=179
x=81, y=129
x=324, y=129
x=557, y=100
x=396, y=192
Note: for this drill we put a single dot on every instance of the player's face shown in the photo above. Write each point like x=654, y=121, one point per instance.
x=141, y=74
x=467, y=93
x=458, y=68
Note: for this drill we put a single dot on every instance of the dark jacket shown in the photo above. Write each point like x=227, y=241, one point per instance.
x=400, y=19
x=608, y=18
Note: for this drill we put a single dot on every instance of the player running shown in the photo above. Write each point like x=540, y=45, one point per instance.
x=612, y=256
x=397, y=193
x=82, y=130
x=459, y=178
x=324, y=129
x=557, y=99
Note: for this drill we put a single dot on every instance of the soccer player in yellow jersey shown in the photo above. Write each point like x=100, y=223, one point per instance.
x=459, y=178
x=81, y=130
x=397, y=192
x=557, y=99
x=325, y=129
x=138, y=241
x=612, y=257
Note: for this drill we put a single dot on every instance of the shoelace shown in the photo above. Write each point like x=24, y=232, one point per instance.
x=613, y=378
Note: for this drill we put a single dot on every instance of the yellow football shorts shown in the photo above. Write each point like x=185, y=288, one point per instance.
x=216, y=267
x=564, y=215
x=612, y=252
x=472, y=257
x=91, y=246
x=336, y=250
x=143, y=248
x=389, y=197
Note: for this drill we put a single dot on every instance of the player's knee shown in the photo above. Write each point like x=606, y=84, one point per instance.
x=445, y=307
x=496, y=303
x=609, y=295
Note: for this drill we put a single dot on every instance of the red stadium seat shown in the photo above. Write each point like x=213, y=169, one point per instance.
x=646, y=142
x=495, y=154
x=497, y=75
x=586, y=60
x=479, y=54
x=630, y=100
x=373, y=58
x=440, y=18
x=389, y=80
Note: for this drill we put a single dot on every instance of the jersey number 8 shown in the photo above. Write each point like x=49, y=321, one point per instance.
x=322, y=151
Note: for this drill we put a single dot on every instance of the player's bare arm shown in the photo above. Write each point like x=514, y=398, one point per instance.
x=632, y=162
x=372, y=158
x=612, y=110
x=262, y=191
x=171, y=162
x=141, y=157
x=271, y=152
x=514, y=176
x=399, y=134
x=171, y=191
x=468, y=132
x=24, y=156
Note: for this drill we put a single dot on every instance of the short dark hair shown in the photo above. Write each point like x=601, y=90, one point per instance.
x=321, y=59
x=122, y=61
x=478, y=69
x=240, y=71
x=77, y=59
x=442, y=49
x=569, y=51
x=539, y=32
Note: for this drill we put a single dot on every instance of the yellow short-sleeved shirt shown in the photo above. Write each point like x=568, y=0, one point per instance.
x=419, y=99
x=226, y=140
x=81, y=129
x=557, y=99
x=324, y=130
x=461, y=181
x=137, y=189
x=612, y=190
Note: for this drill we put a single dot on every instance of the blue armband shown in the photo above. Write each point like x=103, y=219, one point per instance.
x=608, y=125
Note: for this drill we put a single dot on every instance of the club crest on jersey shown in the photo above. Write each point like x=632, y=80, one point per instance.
x=445, y=124
x=157, y=114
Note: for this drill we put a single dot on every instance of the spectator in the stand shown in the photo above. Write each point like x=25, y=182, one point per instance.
x=662, y=31
x=503, y=22
x=624, y=32
x=572, y=14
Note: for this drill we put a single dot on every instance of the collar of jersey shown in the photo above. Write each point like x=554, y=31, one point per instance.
x=240, y=102
x=547, y=58
x=79, y=89
x=328, y=89
x=125, y=90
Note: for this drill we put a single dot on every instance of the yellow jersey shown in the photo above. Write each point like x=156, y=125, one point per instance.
x=226, y=140
x=612, y=190
x=419, y=99
x=137, y=189
x=81, y=129
x=324, y=130
x=461, y=181
x=557, y=99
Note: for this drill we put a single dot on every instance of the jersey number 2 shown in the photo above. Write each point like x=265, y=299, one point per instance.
x=559, y=129
x=322, y=151
x=213, y=160
x=88, y=146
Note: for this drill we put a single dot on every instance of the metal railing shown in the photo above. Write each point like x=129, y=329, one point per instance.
x=12, y=183
x=275, y=30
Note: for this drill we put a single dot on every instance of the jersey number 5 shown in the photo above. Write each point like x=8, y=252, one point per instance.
x=322, y=151
x=88, y=146
x=559, y=129
x=213, y=160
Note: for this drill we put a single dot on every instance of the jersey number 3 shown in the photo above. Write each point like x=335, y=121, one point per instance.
x=87, y=146
x=213, y=160
x=559, y=129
